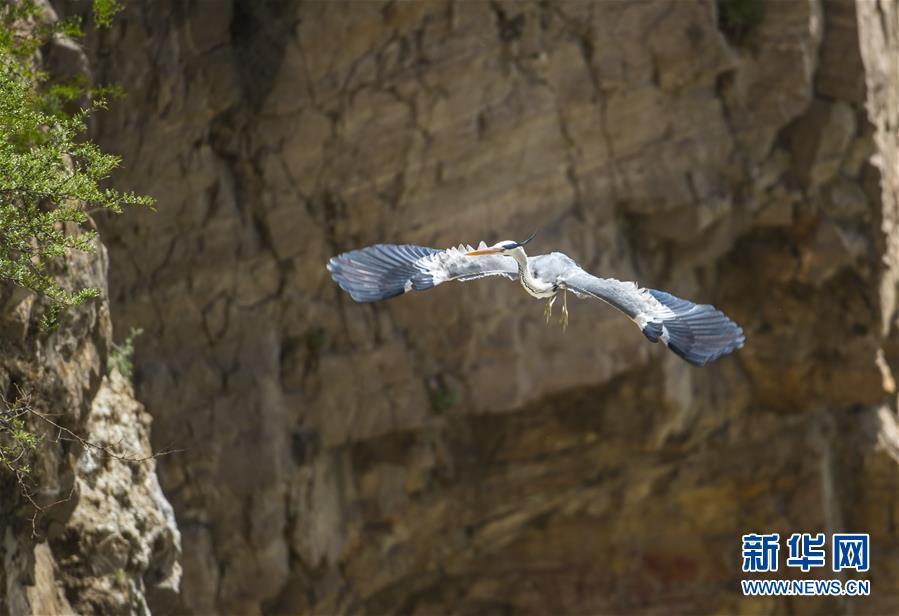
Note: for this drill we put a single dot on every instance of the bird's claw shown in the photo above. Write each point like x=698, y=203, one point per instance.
x=564, y=319
x=548, y=310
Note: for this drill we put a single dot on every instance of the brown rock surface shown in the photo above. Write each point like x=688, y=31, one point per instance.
x=105, y=539
x=83, y=532
x=447, y=452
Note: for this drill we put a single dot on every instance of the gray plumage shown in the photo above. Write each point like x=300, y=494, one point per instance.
x=698, y=333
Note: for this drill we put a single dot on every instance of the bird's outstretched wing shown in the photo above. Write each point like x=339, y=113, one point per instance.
x=699, y=333
x=383, y=271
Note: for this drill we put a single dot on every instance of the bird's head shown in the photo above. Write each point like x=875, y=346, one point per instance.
x=503, y=247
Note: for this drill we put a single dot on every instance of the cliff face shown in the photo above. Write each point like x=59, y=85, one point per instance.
x=446, y=451
x=94, y=534
x=83, y=532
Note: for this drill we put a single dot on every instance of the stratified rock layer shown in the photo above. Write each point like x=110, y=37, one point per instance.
x=445, y=451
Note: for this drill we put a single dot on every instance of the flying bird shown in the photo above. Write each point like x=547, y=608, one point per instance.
x=699, y=333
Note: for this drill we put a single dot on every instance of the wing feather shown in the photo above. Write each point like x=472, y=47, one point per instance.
x=698, y=333
x=383, y=271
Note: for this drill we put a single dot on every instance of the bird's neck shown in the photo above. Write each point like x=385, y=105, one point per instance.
x=521, y=258
x=531, y=284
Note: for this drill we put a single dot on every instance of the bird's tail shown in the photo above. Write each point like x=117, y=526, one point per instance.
x=699, y=333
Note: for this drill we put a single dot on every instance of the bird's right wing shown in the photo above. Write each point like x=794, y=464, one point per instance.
x=699, y=333
x=383, y=271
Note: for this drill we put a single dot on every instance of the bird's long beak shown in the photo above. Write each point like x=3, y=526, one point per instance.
x=478, y=253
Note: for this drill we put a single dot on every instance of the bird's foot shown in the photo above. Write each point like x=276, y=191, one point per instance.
x=548, y=310
x=564, y=319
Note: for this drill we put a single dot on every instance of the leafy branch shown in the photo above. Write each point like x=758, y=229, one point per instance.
x=50, y=176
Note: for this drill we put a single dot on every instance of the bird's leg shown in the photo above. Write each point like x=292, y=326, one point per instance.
x=564, y=319
x=548, y=311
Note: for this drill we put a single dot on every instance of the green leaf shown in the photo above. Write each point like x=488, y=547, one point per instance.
x=50, y=174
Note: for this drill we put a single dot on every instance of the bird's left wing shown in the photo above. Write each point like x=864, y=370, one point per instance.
x=383, y=271
x=699, y=333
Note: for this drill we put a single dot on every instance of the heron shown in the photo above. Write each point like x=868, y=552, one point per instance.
x=698, y=333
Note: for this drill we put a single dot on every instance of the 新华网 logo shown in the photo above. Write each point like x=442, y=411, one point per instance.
x=806, y=552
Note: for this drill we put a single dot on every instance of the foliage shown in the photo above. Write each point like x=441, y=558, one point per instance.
x=16, y=441
x=738, y=19
x=120, y=357
x=49, y=174
x=317, y=340
x=442, y=395
x=104, y=11
x=50, y=177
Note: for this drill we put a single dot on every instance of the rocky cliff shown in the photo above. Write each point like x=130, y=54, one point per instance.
x=87, y=529
x=84, y=531
x=446, y=451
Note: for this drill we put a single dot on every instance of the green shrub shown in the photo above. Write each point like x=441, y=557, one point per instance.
x=442, y=395
x=50, y=176
x=317, y=340
x=738, y=19
x=120, y=357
